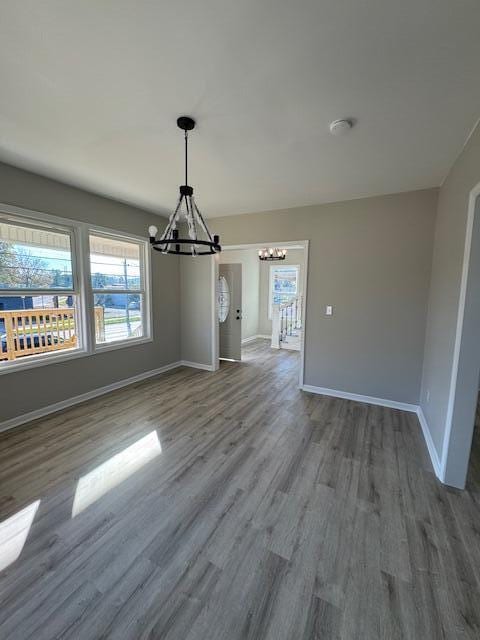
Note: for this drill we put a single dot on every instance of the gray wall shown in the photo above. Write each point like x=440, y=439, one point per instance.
x=371, y=259
x=294, y=256
x=197, y=280
x=248, y=258
x=447, y=264
x=56, y=382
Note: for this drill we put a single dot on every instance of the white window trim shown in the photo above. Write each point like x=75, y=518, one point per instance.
x=144, y=291
x=79, y=233
x=270, y=283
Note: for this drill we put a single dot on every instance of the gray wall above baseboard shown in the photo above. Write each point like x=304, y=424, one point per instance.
x=196, y=283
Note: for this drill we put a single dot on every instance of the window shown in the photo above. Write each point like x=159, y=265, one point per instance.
x=52, y=305
x=117, y=268
x=284, y=284
x=38, y=292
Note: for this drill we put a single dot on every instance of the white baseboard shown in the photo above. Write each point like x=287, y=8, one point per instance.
x=197, y=365
x=382, y=402
x=392, y=404
x=256, y=337
x=70, y=402
x=430, y=446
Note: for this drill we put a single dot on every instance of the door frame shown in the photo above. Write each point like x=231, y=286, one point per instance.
x=297, y=244
x=457, y=441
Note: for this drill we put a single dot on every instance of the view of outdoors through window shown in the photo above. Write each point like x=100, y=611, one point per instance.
x=35, y=259
x=284, y=284
x=117, y=282
x=37, y=296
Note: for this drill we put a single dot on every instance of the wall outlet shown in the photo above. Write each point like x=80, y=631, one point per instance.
x=329, y=310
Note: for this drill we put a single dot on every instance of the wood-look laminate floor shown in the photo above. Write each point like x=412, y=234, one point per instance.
x=230, y=505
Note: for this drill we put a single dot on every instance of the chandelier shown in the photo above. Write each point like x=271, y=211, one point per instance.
x=272, y=254
x=170, y=241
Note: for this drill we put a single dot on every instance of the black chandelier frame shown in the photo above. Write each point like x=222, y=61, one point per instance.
x=170, y=242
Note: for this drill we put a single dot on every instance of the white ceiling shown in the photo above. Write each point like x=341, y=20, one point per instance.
x=90, y=92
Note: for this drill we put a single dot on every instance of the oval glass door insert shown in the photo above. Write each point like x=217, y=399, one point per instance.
x=223, y=299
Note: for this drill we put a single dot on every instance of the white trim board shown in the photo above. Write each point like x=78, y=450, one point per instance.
x=430, y=446
x=214, y=311
x=197, y=365
x=94, y=393
x=391, y=404
x=472, y=204
x=382, y=402
x=256, y=337
x=288, y=244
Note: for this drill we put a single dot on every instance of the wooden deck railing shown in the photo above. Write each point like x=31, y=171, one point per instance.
x=99, y=325
x=31, y=331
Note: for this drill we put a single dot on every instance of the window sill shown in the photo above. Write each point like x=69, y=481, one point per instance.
x=121, y=344
x=43, y=360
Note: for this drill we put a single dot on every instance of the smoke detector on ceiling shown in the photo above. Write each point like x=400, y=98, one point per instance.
x=339, y=127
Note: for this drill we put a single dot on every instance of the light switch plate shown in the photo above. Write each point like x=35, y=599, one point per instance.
x=329, y=310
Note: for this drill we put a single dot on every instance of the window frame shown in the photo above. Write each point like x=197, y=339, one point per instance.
x=270, y=283
x=144, y=291
x=81, y=279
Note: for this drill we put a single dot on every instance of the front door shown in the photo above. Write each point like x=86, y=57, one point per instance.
x=230, y=311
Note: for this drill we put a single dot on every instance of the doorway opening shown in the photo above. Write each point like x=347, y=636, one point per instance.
x=261, y=306
x=460, y=447
x=473, y=473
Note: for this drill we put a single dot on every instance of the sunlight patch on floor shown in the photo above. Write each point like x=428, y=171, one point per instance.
x=111, y=473
x=14, y=532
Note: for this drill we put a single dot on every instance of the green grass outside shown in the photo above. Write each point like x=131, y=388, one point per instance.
x=121, y=320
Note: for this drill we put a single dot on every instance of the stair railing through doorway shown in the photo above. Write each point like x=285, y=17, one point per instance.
x=286, y=321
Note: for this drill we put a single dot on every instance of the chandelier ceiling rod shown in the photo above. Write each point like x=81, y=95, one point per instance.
x=186, y=157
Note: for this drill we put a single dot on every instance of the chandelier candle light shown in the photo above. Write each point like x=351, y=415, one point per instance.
x=170, y=241
x=272, y=254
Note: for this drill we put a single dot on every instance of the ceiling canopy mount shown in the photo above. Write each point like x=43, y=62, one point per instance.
x=186, y=123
